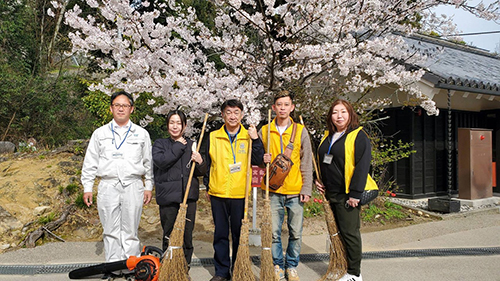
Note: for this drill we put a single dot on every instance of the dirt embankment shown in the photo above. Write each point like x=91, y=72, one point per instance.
x=36, y=188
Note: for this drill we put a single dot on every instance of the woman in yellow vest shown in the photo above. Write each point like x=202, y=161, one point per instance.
x=344, y=157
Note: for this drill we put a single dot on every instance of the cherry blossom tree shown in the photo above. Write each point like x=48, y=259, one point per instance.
x=317, y=49
x=164, y=59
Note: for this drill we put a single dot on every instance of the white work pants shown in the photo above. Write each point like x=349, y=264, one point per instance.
x=120, y=209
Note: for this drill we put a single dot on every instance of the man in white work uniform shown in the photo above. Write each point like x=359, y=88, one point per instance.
x=119, y=153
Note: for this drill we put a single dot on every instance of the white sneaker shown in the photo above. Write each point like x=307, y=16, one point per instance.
x=350, y=277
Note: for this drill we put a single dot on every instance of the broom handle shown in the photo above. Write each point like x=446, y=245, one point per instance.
x=268, y=151
x=314, y=159
x=249, y=178
x=194, y=164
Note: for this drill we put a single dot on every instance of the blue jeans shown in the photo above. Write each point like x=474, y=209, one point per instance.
x=295, y=211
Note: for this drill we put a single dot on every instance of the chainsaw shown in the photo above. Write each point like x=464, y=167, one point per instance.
x=144, y=267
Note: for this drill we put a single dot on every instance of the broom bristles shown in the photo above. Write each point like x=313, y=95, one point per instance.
x=174, y=265
x=266, y=236
x=337, y=265
x=243, y=264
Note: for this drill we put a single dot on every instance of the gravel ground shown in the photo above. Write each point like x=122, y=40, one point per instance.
x=423, y=204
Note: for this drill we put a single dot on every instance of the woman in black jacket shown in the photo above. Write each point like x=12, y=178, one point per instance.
x=344, y=156
x=172, y=158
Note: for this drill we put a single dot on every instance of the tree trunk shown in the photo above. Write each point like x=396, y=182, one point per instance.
x=42, y=37
x=8, y=126
x=56, y=30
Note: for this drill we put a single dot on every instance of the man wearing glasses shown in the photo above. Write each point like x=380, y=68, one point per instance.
x=119, y=153
x=227, y=154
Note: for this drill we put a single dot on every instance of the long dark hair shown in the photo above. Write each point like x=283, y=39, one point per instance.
x=353, y=116
x=181, y=114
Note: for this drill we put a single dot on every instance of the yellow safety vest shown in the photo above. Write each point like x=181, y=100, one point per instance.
x=293, y=181
x=349, y=161
x=223, y=183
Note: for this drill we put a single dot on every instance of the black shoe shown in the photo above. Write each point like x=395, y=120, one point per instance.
x=218, y=278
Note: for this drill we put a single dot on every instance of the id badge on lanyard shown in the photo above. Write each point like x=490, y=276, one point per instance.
x=328, y=158
x=234, y=168
x=117, y=155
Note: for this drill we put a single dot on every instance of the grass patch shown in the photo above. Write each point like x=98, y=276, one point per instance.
x=79, y=201
x=382, y=211
x=70, y=189
x=46, y=219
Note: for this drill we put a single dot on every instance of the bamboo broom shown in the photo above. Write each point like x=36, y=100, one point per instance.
x=243, y=264
x=337, y=266
x=266, y=232
x=174, y=266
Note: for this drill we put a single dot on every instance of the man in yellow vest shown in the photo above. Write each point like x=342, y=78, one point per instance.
x=227, y=154
x=296, y=189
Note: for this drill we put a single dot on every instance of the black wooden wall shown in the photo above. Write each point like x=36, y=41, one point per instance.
x=425, y=173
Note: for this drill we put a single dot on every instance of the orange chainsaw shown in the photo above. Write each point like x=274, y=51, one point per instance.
x=144, y=268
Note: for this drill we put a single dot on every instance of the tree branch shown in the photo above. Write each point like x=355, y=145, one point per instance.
x=30, y=240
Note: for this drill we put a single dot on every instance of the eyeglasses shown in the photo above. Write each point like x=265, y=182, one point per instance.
x=125, y=106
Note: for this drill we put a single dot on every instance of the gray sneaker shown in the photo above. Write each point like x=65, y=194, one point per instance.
x=279, y=273
x=292, y=274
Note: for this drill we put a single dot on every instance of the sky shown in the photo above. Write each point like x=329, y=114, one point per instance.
x=468, y=23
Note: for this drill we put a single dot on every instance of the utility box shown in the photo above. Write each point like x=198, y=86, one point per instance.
x=474, y=163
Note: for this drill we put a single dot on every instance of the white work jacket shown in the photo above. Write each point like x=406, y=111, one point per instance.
x=124, y=158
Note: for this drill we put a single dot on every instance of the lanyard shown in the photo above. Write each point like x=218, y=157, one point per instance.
x=231, y=141
x=332, y=141
x=113, y=132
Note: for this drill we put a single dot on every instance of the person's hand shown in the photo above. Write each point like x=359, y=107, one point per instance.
x=304, y=198
x=267, y=157
x=196, y=157
x=252, y=132
x=208, y=196
x=148, y=194
x=87, y=198
x=319, y=186
x=353, y=202
x=182, y=140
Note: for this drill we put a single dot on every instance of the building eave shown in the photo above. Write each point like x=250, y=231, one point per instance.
x=463, y=85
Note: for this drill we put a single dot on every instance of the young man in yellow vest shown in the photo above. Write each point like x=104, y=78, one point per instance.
x=296, y=189
x=227, y=157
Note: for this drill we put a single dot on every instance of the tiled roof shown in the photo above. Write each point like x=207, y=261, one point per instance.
x=458, y=67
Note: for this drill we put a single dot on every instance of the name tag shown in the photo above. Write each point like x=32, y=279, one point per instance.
x=117, y=155
x=328, y=159
x=234, y=168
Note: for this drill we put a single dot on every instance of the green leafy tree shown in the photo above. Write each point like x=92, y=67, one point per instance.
x=97, y=103
x=40, y=98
